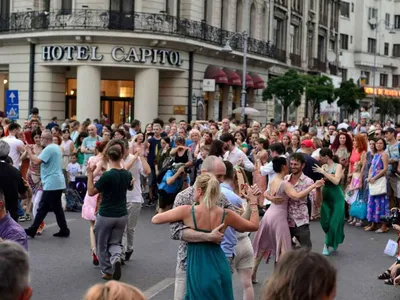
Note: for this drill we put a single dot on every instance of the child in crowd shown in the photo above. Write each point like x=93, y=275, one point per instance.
x=73, y=170
x=204, y=152
x=353, y=192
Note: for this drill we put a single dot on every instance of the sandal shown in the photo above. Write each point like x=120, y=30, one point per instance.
x=384, y=275
x=389, y=281
x=382, y=231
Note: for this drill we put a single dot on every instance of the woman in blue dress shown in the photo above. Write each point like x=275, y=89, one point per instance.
x=378, y=206
x=208, y=274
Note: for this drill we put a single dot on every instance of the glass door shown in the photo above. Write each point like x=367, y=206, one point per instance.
x=122, y=14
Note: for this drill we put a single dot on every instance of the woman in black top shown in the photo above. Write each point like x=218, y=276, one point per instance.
x=112, y=215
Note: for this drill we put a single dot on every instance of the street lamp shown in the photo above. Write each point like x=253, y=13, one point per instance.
x=375, y=25
x=227, y=48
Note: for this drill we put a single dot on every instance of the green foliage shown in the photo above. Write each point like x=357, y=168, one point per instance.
x=348, y=94
x=287, y=89
x=387, y=106
x=319, y=88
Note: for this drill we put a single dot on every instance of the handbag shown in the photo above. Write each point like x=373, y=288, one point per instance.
x=358, y=209
x=379, y=187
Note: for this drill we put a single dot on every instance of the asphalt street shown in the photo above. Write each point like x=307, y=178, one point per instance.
x=61, y=269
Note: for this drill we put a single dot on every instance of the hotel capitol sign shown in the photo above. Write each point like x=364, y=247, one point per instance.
x=118, y=54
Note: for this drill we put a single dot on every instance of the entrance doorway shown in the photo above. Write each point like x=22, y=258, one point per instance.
x=118, y=109
x=117, y=100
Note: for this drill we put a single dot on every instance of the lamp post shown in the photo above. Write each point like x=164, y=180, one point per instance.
x=391, y=31
x=227, y=48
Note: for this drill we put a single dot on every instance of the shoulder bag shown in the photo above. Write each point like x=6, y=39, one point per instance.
x=379, y=187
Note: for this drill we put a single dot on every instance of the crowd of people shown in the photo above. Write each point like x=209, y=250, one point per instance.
x=212, y=181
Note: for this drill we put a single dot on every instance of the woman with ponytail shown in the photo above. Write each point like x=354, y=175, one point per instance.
x=114, y=290
x=208, y=273
x=112, y=215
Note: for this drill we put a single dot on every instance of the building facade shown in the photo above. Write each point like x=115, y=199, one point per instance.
x=144, y=59
x=370, y=46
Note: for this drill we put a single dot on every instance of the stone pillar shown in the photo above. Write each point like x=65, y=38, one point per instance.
x=138, y=5
x=146, y=95
x=88, y=92
x=2, y=93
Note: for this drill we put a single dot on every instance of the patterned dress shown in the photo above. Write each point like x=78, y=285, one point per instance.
x=378, y=206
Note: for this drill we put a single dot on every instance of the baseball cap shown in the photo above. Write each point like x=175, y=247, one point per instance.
x=389, y=129
x=308, y=144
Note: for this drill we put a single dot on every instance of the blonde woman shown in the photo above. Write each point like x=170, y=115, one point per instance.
x=208, y=274
x=114, y=290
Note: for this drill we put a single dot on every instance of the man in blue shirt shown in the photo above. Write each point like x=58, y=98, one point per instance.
x=236, y=245
x=170, y=186
x=50, y=161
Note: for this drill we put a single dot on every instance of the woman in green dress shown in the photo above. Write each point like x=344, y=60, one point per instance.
x=208, y=274
x=332, y=209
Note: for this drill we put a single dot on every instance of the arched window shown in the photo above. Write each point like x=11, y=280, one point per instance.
x=225, y=15
x=253, y=21
x=239, y=16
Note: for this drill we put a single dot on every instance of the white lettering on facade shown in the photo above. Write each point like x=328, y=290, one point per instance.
x=118, y=54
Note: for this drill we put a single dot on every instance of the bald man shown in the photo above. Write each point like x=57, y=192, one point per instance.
x=50, y=161
x=88, y=145
x=225, y=127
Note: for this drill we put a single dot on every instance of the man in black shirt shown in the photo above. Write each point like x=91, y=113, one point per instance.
x=154, y=145
x=11, y=182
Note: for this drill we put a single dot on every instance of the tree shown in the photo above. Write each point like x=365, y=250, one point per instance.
x=348, y=94
x=387, y=107
x=319, y=88
x=287, y=89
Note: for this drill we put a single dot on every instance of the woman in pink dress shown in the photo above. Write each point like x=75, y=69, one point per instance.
x=90, y=202
x=273, y=236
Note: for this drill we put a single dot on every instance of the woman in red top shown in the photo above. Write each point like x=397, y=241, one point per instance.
x=360, y=148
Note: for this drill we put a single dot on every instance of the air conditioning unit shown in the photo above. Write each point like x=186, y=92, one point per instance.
x=372, y=22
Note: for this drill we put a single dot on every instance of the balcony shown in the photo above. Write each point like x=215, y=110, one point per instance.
x=367, y=60
x=319, y=65
x=295, y=59
x=138, y=22
x=333, y=69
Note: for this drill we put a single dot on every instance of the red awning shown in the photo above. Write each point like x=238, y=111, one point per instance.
x=213, y=72
x=259, y=83
x=233, y=77
x=249, y=80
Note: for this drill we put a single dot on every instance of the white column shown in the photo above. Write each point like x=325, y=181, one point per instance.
x=88, y=93
x=2, y=96
x=146, y=95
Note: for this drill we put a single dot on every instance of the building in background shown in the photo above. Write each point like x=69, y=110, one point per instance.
x=143, y=59
x=370, y=46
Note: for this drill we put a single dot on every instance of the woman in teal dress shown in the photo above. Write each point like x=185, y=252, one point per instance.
x=208, y=274
x=332, y=209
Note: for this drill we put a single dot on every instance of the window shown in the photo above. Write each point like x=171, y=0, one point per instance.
x=396, y=50
x=386, y=49
x=66, y=6
x=372, y=13
x=397, y=21
x=312, y=6
x=344, y=41
x=387, y=20
x=345, y=9
x=126, y=6
x=367, y=77
x=352, y=9
x=351, y=39
x=395, y=80
x=344, y=74
x=383, y=80
x=371, y=45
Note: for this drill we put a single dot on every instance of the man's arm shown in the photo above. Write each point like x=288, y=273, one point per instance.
x=267, y=169
x=36, y=160
x=247, y=164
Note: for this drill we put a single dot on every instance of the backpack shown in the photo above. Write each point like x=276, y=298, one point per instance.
x=74, y=200
x=167, y=165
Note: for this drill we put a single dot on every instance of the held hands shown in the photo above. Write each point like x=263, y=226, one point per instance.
x=272, y=198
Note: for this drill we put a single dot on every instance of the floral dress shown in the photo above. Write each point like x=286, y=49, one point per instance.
x=378, y=206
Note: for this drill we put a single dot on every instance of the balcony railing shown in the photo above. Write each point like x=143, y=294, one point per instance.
x=333, y=69
x=295, y=59
x=139, y=22
x=319, y=65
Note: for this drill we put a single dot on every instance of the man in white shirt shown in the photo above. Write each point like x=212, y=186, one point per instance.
x=16, y=145
x=277, y=150
x=292, y=126
x=343, y=125
x=137, y=165
x=236, y=156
